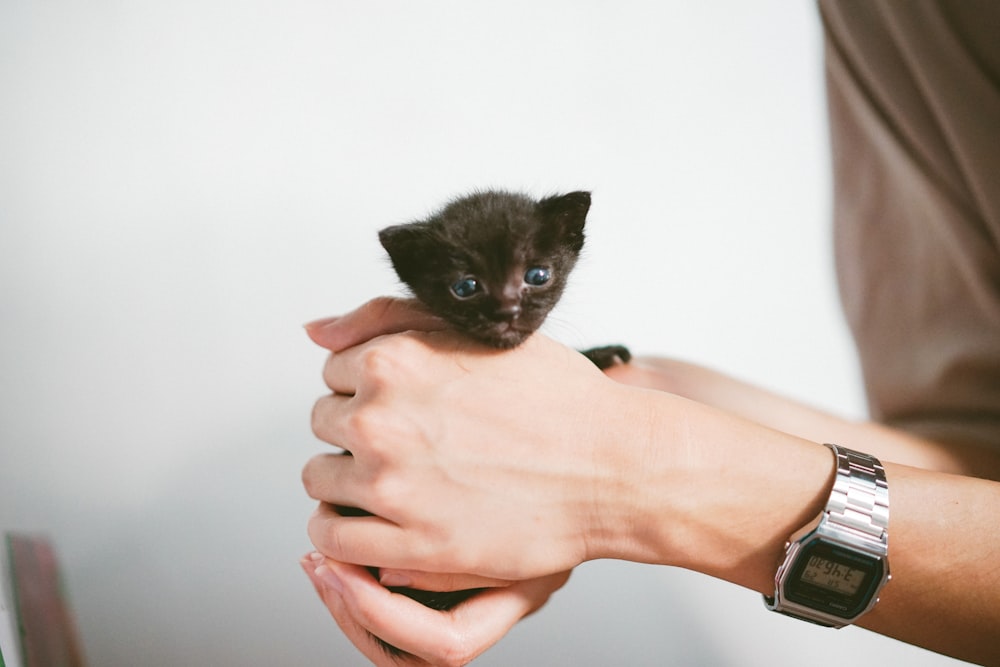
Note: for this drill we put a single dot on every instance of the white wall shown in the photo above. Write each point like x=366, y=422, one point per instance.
x=183, y=183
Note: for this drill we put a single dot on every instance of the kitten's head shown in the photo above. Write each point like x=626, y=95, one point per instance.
x=493, y=264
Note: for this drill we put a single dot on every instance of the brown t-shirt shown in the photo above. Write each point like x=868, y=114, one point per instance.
x=914, y=104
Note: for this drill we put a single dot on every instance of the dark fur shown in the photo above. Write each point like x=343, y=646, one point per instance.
x=494, y=237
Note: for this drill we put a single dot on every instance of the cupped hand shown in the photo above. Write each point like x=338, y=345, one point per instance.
x=364, y=610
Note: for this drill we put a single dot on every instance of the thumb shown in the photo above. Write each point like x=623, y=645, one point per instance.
x=431, y=581
x=382, y=315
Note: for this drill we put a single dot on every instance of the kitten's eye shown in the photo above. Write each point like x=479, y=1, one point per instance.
x=465, y=287
x=537, y=275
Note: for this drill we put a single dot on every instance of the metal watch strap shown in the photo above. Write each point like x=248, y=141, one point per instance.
x=855, y=519
x=859, y=501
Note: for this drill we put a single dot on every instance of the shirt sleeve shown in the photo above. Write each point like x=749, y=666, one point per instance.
x=914, y=107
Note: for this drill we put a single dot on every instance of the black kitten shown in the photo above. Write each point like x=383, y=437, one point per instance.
x=492, y=264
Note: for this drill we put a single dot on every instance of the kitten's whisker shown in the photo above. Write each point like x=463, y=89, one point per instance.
x=562, y=330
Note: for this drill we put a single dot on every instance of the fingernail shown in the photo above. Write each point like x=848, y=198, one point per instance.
x=320, y=323
x=310, y=571
x=319, y=331
x=329, y=578
x=317, y=558
x=394, y=579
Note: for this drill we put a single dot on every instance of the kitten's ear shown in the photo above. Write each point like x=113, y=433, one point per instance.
x=407, y=246
x=568, y=214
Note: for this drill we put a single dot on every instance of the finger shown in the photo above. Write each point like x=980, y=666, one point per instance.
x=454, y=637
x=373, y=363
x=363, y=640
x=309, y=564
x=435, y=581
x=342, y=371
x=328, y=478
x=367, y=539
x=329, y=420
x=382, y=315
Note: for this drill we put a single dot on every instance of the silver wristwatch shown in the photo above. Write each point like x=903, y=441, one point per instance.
x=835, y=567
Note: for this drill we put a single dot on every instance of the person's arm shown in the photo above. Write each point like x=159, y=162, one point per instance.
x=941, y=503
x=524, y=464
x=778, y=412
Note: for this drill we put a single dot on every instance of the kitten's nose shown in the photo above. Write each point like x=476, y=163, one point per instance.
x=509, y=310
x=509, y=301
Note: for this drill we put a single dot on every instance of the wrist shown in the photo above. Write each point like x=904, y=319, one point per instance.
x=704, y=490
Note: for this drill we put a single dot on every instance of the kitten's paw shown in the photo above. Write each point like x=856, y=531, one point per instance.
x=608, y=355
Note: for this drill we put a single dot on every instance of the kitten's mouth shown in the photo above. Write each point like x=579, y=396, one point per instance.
x=508, y=334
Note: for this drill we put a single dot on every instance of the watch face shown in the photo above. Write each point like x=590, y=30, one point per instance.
x=832, y=575
x=832, y=579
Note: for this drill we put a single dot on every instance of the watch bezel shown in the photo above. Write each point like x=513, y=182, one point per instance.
x=823, y=606
x=843, y=605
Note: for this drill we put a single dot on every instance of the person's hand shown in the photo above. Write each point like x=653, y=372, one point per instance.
x=470, y=460
x=363, y=609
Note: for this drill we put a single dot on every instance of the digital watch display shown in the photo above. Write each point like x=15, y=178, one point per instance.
x=835, y=566
x=831, y=575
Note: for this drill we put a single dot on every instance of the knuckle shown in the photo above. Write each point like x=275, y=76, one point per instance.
x=309, y=478
x=317, y=419
x=312, y=476
x=329, y=371
x=388, y=494
x=392, y=357
x=363, y=424
x=380, y=306
x=379, y=364
x=315, y=478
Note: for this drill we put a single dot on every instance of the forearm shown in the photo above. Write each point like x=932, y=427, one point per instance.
x=783, y=414
x=713, y=492
x=944, y=551
x=727, y=506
